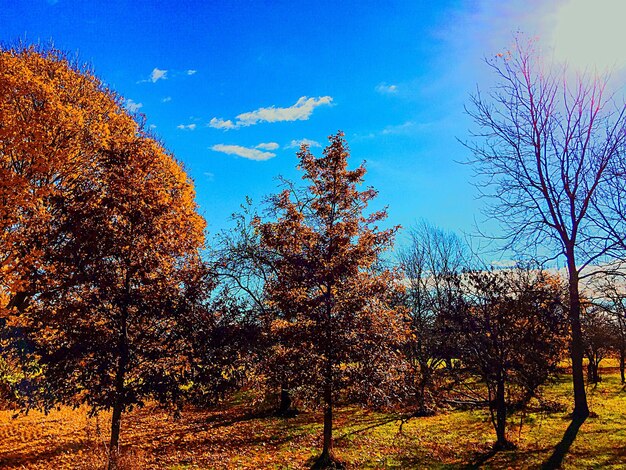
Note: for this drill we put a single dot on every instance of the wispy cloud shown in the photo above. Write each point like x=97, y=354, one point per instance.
x=158, y=74
x=167, y=99
x=187, y=127
x=296, y=144
x=132, y=106
x=219, y=123
x=385, y=89
x=191, y=72
x=244, y=152
x=209, y=176
x=300, y=111
x=268, y=146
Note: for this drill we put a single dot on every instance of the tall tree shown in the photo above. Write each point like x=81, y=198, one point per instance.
x=100, y=242
x=543, y=151
x=336, y=324
x=110, y=339
x=55, y=119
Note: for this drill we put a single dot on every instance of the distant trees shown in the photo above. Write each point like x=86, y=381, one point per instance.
x=99, y=243
x=549, y=152
x=604, y=324
x=335, y=324
x=431, y=265
x=511, y=334
x=599, y=338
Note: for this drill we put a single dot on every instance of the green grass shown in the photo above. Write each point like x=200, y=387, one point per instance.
x=233, y=437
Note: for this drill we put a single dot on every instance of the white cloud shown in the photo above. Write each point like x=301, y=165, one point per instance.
x=188, y=127
x=209, y=176
x=153, y=126
x=300, y=111
x=385, y=89
x=296, y=144
x=158, y=74
x=244, y=152
x=191, y=72
x=268, y=146
x=219, y=123
x=167, y=99
x=132, y=106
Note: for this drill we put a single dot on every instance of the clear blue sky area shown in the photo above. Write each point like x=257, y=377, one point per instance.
x=232, y=87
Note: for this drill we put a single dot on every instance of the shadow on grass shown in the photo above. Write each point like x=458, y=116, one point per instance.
x=33, y=456
x=371, y=424
x=481, y=459
x=561, y=449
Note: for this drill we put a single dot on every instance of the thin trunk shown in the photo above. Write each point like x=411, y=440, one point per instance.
x=328, y=422
x=328, y=384
x=116, y=422
x=118, y=406
x=581, y=410
x=285, y=401
x=424, y=379
x=622, y=360
x=501, y=442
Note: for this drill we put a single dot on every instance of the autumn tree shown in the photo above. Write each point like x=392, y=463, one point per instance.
x=100, y=242
x=110, y=339
x=511, y=336
x=431, y=264
x=55, y=118
x=547, y=150
x=335, y=323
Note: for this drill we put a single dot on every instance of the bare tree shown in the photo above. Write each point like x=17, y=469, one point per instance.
x=431, y=263
x=543, y=154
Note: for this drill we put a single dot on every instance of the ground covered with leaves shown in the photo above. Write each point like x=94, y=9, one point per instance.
x=235, y=436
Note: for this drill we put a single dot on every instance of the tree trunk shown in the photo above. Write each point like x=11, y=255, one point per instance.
x=581, y=409
x=622, y=360
x=423, y=384
x=116, y=421
x=328, y=423
x=501, y=442
x=285, y=401
x=118, y=406
x=596, y=372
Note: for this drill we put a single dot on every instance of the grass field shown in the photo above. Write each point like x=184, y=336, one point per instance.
x=234, y=438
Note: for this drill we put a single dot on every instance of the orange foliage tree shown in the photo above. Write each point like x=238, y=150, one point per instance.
x=55, y=119
x=335, y=325
x=100, y=240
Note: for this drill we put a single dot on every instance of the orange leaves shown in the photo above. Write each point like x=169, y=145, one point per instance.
x=99, y=236
x=329, y=307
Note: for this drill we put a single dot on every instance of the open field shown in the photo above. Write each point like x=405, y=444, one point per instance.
x=234, y=437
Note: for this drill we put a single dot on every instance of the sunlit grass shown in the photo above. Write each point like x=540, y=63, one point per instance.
x=236, y=438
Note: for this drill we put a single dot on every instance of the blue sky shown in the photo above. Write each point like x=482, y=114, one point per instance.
x=231, y=87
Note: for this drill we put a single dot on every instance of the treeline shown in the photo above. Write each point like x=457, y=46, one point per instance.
x=109, y=296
